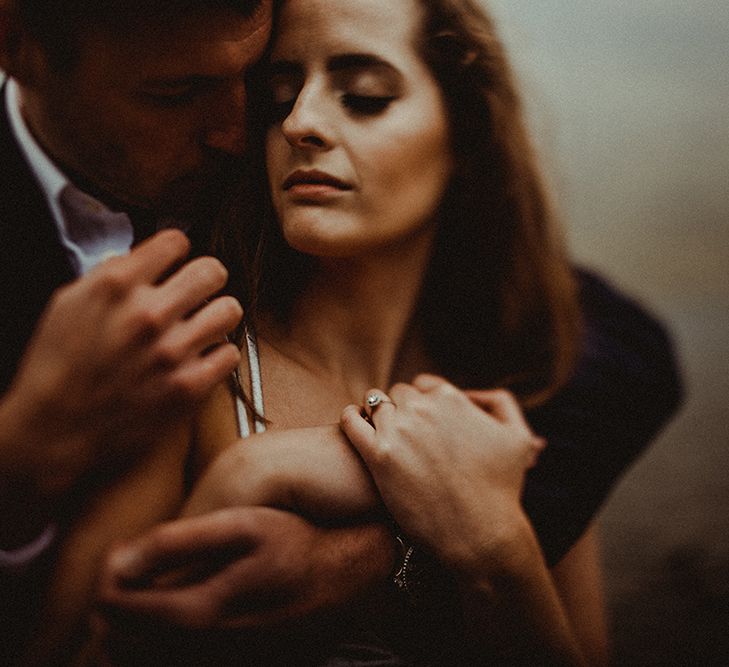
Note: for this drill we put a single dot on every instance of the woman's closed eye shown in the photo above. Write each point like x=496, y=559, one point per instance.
x=367, y=105
x=358, y=105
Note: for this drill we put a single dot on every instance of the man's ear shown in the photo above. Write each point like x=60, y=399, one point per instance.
x=21, y=56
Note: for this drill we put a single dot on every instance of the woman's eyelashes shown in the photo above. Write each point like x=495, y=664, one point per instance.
x=357, y=105
x=367, y=105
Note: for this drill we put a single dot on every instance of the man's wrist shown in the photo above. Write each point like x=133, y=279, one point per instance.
x=26, y=511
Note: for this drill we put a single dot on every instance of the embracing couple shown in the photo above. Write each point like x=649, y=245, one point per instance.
x=396, y=454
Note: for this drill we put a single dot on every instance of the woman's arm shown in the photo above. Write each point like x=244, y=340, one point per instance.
x=579, y=582
x=452, y=475
x=313, y=472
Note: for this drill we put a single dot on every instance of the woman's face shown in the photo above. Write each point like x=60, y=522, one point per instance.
x=358, y=153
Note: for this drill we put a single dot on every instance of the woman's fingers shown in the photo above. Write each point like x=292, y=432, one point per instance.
x=538, y=444
x=500, y=403
x=426, y=382
x=366, y=427
x=359, y=431
x=376, y=399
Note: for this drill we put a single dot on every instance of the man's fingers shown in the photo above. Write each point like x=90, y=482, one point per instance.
x=194, y=379
x=175, y=543
x=229, y=592
x=154, y=258
x=189, y=607
x=188, y=288
x=232, y=589
x=205, y=328
x=233, y=597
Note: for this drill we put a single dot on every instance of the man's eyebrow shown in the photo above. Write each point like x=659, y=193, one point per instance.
x=173, y=82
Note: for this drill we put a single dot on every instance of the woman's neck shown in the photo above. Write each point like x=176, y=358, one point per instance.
x=353, y=323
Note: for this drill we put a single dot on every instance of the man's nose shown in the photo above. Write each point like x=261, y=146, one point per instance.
x=226, y=124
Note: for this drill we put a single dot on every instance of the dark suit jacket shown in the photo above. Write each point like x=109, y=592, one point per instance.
x=626, y=386
x=33, y=263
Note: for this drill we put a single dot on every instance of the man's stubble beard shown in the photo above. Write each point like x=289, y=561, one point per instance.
x=196, y=202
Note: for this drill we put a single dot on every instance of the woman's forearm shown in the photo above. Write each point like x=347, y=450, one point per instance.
x=311, y=471
x=512, y=604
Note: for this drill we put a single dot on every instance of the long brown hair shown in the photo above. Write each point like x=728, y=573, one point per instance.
x=498, y=305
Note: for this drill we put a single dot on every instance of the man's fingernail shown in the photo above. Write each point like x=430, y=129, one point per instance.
x=127, y=563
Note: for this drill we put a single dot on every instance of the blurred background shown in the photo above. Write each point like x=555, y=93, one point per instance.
x=629, y=105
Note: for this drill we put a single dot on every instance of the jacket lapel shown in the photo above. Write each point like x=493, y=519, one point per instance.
x=33, y=263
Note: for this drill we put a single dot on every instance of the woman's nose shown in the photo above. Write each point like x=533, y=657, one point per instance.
x=308, y=125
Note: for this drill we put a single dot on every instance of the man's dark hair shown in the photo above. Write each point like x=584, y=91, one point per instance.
x=59, y=25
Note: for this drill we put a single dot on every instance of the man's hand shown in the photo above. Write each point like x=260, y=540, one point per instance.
x=119, y=356
x=245, y=568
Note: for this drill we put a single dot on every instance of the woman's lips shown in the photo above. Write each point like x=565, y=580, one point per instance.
x=314, y=184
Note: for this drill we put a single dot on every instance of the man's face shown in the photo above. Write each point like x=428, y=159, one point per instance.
x=149, y=118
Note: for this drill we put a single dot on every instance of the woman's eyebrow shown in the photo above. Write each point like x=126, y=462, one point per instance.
x=360, y=61
x=348, y=62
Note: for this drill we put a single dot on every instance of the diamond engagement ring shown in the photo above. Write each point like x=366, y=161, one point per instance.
x=373, y=400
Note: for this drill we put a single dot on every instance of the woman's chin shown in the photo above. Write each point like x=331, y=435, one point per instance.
x=324, y=241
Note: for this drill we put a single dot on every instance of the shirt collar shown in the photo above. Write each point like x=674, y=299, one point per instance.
x=51, y=179
x=93, y=248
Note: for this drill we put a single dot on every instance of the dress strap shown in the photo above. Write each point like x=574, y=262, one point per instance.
x=254, y=370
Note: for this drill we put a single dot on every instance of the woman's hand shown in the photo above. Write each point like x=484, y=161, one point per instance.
x=451, y=473
x=450, y=467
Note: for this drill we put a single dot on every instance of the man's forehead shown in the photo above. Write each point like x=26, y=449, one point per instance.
x=214, y=41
